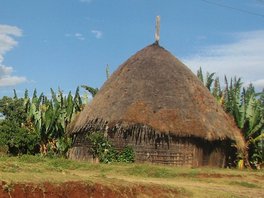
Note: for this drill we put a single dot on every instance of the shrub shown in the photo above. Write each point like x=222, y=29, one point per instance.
x=17, y=140
x=126, y=155
x=105, y=151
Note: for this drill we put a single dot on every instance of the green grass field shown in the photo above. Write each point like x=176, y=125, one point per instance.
x=190, y=182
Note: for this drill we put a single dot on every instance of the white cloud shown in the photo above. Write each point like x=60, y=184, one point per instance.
x=76, y=35
x=68, y=35
x=242, y=58
x=259, y=84
x=5, y=71
x=79, y=36
x=7, y=42
x=11, y=81
x=97, y=33
x=10, y=30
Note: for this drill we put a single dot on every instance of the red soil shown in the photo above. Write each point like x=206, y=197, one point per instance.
x=82, y=190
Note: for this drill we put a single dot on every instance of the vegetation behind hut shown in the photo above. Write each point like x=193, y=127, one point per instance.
x=247, y=108
x=24, y=123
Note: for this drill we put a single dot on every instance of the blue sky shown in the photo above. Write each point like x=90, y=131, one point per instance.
x=65, y=43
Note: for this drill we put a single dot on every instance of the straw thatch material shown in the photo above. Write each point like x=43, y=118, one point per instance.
x=153, y=92
x=155, y=89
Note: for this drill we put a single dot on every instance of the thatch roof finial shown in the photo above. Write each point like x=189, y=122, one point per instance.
x=157, y=33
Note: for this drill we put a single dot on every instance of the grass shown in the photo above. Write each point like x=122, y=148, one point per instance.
x=194, y=182
x=244, y=184
x=147, y=170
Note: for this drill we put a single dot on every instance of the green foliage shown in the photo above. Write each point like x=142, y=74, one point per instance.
x=107, y=71
x=58, y=147
x=126, y=155
x=200, y=74
x=13, y=110
x=37, y=124
x=50, y=118
x=91, y=90
x=101, y=147
x=208, y=81
x=247, y=108
x=63, y=144
x=106, y=153
x=17, y=139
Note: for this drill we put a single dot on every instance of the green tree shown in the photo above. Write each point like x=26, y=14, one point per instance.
x=12, y=109
x=14, y=135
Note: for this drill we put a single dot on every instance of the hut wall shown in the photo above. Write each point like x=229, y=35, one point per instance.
x=80, y=153
x=81, y=148
x=159, y=148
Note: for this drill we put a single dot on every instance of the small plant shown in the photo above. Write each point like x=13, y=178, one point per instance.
x=126, y=155
x=103, y=150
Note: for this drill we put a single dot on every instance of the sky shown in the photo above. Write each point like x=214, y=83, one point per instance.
x=62, y=44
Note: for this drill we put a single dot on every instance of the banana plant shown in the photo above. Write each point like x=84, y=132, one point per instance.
x=247, y=108
x=247, y=111
x=91, y=90
x=50, y=117
x=208, y=81
x=212, y=84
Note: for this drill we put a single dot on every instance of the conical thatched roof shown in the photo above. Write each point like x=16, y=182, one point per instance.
x=154, y=89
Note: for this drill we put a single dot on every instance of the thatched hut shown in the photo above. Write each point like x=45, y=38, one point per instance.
x=155, y=104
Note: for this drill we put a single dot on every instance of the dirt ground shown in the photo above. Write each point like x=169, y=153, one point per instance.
x=82, y=190
x=116, y=186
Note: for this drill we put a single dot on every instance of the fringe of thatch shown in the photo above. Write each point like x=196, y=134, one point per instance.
x=140, y=133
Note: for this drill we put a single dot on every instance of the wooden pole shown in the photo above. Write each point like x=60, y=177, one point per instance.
x=157, y=33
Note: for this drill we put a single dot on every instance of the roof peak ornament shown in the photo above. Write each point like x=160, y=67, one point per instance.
x=157, y=33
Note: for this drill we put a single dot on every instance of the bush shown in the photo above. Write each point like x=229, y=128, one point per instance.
x=106, y=153
x=126, y=155
x=17, y=140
